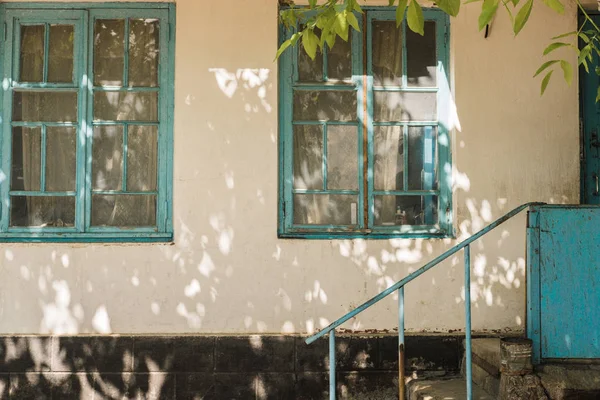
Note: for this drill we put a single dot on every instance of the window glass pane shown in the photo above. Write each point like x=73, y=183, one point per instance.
x=124, y=210
x=308, y=157
x=107, y=158
x=126, y=106
x=403, y=106
x=60, y=49
x=26, y=159
x=45, y=106
x=335, y=105
x=143, y=52
x=42, y=211
x=422, y=156
x=387, y=54
x=388, y=163
x=61, y=156
x=342, y=157
x=109, y=52
x=325, y=209
x=421, y=63
x=405, y=210
x=310, y=70
x=32, y=53
x=142, y=158
x=339, y=60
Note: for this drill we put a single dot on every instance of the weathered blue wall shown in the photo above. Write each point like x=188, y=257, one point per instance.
x=563, y=268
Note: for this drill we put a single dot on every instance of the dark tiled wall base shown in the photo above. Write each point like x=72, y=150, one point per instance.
x=212, y=367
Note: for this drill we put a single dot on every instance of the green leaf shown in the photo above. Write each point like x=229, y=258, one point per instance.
x=545, y=81
x=522, y=16
x=488, y=10
x=295, y=37
x=565, y=35
x=312, y=3
x=400, y=11
x=598, y=95
x=544, y=66
x=554, y=46
x=584, y=37
x=416, y=22
x=310, y=43
x=392, y=2
x=450, y=7
x=282, y=48
x=353, y=21
x=341, y=25
x=567, y=71
x=358, y=8
x=584, y=53
x=556, y=5
x=597, y=69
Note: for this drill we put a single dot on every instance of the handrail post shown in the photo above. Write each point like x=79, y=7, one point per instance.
x=332, y=393
x=468, y=366
x=401, y=377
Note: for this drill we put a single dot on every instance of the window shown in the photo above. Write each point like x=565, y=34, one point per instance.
x=87, y=134
x=363, y=151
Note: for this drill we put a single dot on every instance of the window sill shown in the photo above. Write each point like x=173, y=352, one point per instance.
x=117, y=237
x=365, y=235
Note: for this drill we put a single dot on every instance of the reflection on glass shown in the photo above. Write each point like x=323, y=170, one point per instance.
x=26, y=159
x=422, y=158
x=403, y=106
x=387, y=54
x=107, y=158
x=124, y=210
x=60, y=49
x=405, y=210
x=310, y=70
x=325, y=209
x=334, y=105
x=45, y=106
x=32, y=53
x=109, y=51
x=388, y=161
x=42, y=211
x=339, y=60
x=308, y=157
x=126, y=106
x=421, y=63
x=342, y=157
x=143, y=52
x=61, y=155
x=142, y=158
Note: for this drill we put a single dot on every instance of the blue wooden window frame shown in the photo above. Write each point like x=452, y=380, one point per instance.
x=365, y=228
x=82, y=16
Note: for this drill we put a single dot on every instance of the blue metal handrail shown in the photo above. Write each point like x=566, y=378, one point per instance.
x=399, y=286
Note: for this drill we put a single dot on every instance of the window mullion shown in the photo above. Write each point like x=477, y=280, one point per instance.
x=366, y=102
x=324, y=158
x=44, y=132
x=88, y=128
x=46, y=51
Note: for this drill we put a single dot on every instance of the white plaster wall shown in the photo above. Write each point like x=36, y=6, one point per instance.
x=228, y=273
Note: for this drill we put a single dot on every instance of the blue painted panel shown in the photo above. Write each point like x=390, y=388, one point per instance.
x=590, y=146
x=569, y=262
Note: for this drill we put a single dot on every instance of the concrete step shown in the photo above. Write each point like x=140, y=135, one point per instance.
x=486, y=354
x=486, y=365
x=443, y=389
x=571, y=381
